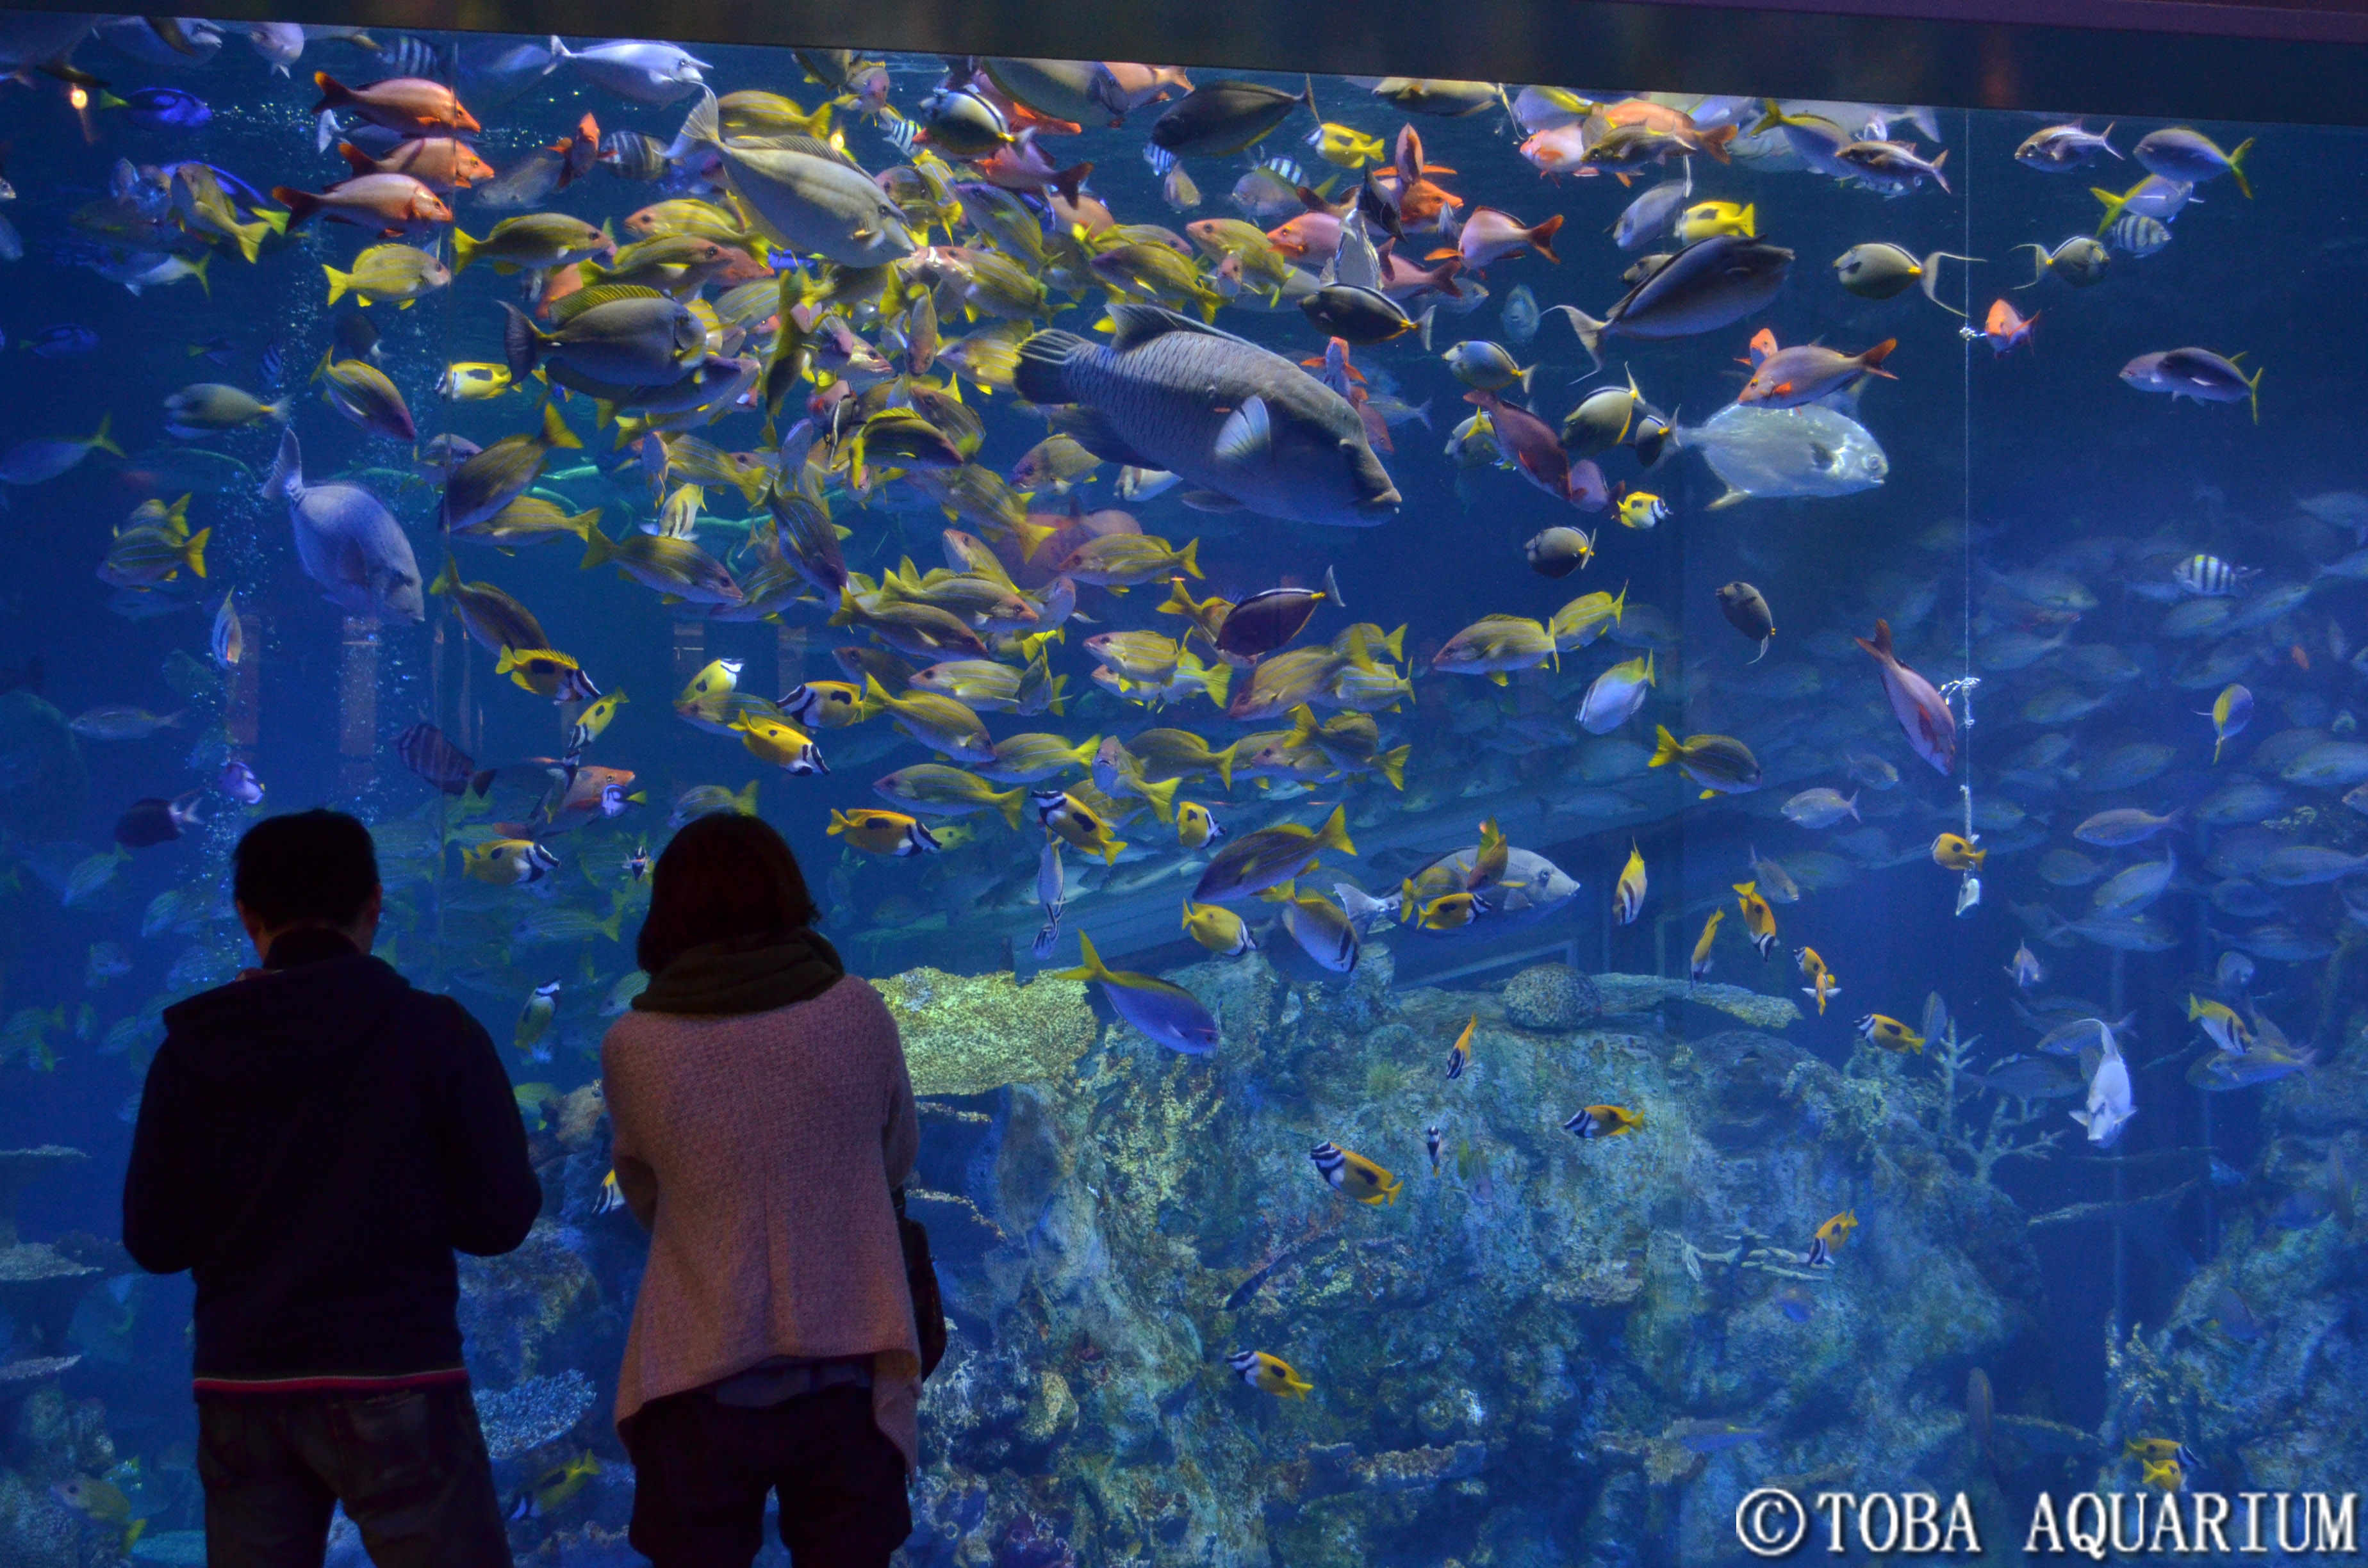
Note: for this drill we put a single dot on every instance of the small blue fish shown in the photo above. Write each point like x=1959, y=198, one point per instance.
x=165, y=109
x=65, y=339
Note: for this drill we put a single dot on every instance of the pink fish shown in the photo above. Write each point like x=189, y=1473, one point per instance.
x=1404, y=280
x=1490, y=235
x=1312, y=238
x=1930, y=727
x=1559, y=150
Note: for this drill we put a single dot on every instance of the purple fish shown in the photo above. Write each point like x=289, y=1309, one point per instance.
x=166, y=109
x=238, y=781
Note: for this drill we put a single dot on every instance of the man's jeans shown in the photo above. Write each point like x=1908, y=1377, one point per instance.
x=410, y=1468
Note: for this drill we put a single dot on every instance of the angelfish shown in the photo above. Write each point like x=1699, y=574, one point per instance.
x=1923, y=715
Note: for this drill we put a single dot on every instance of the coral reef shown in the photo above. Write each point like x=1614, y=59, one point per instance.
x=1501, y=1355
x=517, y=1421
x=974, y=1034
x=2258, y=1364
x=1551, y=996
x=513, y=1306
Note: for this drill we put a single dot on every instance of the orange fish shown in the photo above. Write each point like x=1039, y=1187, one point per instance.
x=406, y=105
x=1651, y=116
x=439, y=163
x=395, y=204
x=578, y=152
x=2003, y=328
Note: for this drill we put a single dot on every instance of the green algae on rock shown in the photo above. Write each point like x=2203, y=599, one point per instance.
x=972, y=1034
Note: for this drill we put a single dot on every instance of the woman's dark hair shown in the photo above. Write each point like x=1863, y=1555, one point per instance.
x=316, y=868
x=722, y=876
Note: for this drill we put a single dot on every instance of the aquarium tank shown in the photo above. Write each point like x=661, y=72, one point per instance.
x=1583, y=799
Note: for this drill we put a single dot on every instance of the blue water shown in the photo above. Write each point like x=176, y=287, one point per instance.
x=2001, y=467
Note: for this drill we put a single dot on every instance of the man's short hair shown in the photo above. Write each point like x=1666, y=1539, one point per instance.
x=316, y=868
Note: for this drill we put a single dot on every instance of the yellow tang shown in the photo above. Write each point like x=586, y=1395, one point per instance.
x=1757, y=917
x=1354, y=1175
x=1628, y=898
x=779, y=742
x=593, y=722
x=880, y=831
x=1194, y=825
x=1269, y=1374
x=1218, y=928
x=1699, y=968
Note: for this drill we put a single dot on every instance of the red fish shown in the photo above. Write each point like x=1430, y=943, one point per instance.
x=1529, y=444
x=2003, y=328
x=1022, y=165
x=1923, y=714
x=577, y=153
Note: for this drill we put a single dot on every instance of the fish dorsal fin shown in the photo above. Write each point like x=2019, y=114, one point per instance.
x=567, y=308
x=1138, y=324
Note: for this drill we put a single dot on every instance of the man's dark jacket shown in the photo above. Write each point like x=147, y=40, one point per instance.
x=314, y=1144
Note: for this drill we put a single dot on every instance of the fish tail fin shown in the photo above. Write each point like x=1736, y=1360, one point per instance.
x=874, y=700
x=585, y=523
x=1091, y=969
x=1749, y=216
x=199, y=272
x=1009, y=801
x=1334, y=833
x=193, y=551
x=1664, y=747
x=1881, y=646
x=106, y=421
x=301, y=204
x=1541, y=236
x=1189, y=556
x=2114, y=205
x=1590, y=330
x=287, y=467
x=599, y=549
x=447, y=579
x=1872, y=360
x=704, y=126
x=2252, y=392
x=1224, y=760
x=1162, y=797
x=1392, y=765
x=1422, y=323
x=464, y=249
x=522, y=342
x=1938, y=159
x=555, y=433
x=1216, y=681
x=338, y=282
x=2236, y=167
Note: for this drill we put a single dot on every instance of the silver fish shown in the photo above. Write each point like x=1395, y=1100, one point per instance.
x=348, y=541
x=1766, y=453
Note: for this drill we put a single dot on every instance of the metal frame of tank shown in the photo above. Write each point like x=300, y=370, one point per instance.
x=2293, y=61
